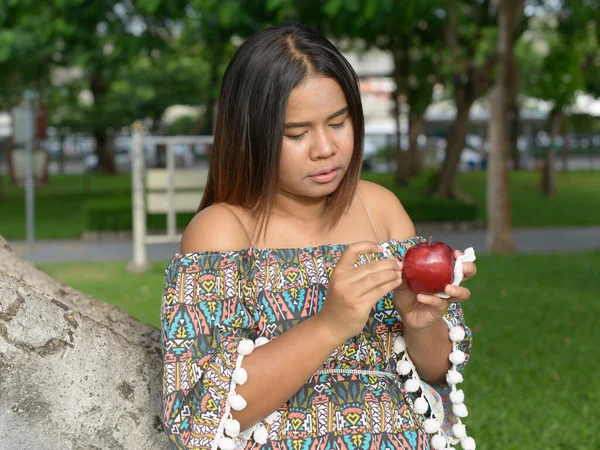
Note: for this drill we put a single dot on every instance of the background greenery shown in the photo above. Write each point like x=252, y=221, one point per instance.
x=72, y=204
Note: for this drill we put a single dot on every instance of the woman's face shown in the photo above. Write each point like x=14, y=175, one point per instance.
x=318, y=139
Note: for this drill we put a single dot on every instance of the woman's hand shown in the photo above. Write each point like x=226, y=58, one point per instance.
x=353, y=291
x=421, y=311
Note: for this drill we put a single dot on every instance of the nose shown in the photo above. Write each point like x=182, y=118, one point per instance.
x=323, y=146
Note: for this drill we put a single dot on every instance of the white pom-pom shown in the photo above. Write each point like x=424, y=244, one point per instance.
x=438, y=442
x=226, y=444
x=457, y=334
x=404, y=367
x=236, y=401
x=261, y=341
x=245, y=347
x=272, y=417
x=399, y=344
x=460, y=410
x=454, y=377
x=421, y=405
x=260, y=435
x=412, y=385
x=457, y=357
x=431, y=426
x=240, y=376
x=459, y=431
x=468, y=443
x=232, y=428
x=457, y=396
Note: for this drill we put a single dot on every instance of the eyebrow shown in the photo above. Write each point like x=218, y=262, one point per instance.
x=306, y=124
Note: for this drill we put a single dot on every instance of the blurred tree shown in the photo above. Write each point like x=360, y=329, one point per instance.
x=567, y=46
x=469, y=60
x=502, y=95
x=410, y=32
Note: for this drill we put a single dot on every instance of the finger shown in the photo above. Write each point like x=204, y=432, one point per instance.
x=375, y=280
x=457, y=253
x=383, y=290
x=469, y=269
x=433, y=300
x=357, y=274
x=457, y=293
x=352, y=252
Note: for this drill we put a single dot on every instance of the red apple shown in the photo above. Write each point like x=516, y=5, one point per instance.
x=428, y=267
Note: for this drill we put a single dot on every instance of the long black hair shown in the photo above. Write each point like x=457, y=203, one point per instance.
x=249, y=131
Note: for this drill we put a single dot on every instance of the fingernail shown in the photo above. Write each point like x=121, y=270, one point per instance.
x=381, y=248
x=399, y=264
x=451, y=290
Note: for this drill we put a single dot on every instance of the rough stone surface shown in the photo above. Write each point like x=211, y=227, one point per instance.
x=138, y=333
x=67, y=381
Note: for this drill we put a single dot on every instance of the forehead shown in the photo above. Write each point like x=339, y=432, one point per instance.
x=315, y=97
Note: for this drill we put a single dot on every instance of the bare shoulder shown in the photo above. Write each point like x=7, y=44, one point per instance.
x=387, y=210
x=216, y=228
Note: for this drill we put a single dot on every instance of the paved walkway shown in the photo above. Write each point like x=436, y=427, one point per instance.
x=526, y=240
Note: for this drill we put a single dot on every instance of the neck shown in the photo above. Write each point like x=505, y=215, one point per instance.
x=302, y=209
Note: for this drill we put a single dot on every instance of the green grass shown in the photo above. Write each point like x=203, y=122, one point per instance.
x=532, y=380
x=576, y=202
x=58, y=205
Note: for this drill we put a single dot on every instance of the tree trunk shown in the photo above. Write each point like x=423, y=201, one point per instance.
x=400, y=75
x=549, y=170
x=499, y=223
x=445, y=186
x=514, y=133
x=106, y=158
x=414, y=156
x=564, y=154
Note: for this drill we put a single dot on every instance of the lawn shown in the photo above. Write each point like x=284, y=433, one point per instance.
x=532, y=381
x=59, y=204
x=576, y=201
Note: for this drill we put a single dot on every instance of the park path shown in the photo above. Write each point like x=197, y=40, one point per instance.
x=527, y=240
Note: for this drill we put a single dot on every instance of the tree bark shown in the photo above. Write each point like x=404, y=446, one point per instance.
x=515, y=125
x=499, y=222
x=446, y=180
x=549, y=170
x=414, y=156
x=106, y=159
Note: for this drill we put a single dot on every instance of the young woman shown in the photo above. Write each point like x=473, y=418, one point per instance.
x=286, y=323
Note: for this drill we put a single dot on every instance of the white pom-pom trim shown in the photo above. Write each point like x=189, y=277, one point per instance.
x=261, y=341
x=399, y=344
x=438, y=442
x=240, y=376
x=431, y=426
x=457, y=334
x=226, y=443
x=453, y=377
x=245, y=347
x=460, y=410
x=421, y=405
x=232, y=428
x=412, y=385
x=457, y=396
x=459, y=431
x=404, y=367
x=468, y=443
x=260, y=435
x=236, y=401
x=457, y=357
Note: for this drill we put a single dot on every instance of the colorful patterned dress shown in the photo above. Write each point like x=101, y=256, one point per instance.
x=214, y=300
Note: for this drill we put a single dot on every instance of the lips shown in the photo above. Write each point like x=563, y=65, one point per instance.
x=326, y=170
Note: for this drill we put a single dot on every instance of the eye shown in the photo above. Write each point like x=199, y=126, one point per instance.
x=295, y=137
x=338, y=125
